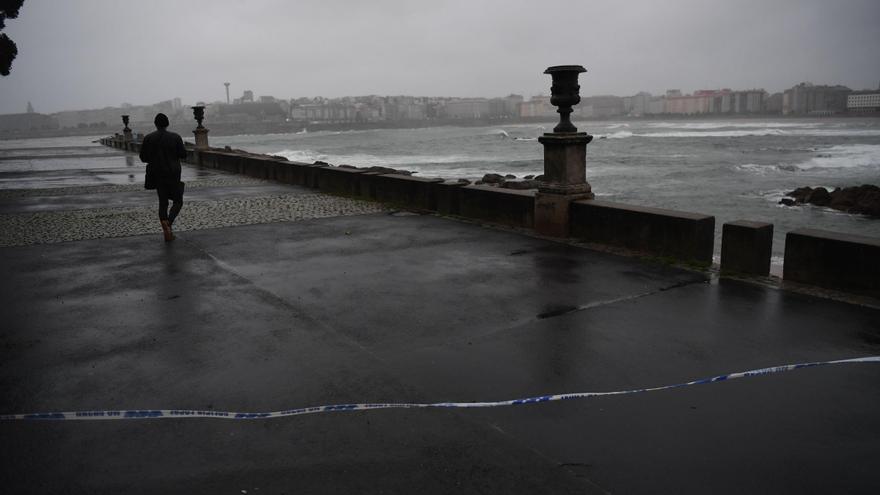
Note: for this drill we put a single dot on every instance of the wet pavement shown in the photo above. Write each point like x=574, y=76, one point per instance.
x=391, y=307
x=69, y=195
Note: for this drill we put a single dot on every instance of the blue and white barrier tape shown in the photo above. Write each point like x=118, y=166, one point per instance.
x=179, y=413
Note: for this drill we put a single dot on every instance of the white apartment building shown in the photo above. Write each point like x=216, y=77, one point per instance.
x=863, y=102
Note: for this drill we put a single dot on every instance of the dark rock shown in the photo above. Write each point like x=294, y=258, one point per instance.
x=539, y=177
x=864, y=199
x=348, y=166
x=492, y=179
x=520, y=184
x=842, y=199
x=529, y=177
x=464, y=181
x=869, y=204
x=387, y=170
x=800, y=194
x=323, y=164
x=819, y=197
x=510, y=176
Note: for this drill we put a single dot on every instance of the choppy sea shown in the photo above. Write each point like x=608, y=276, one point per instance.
x=732, y=169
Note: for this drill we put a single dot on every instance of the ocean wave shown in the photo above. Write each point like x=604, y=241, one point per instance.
x=617, y=126
x=615, y=135
x=721, y=125
x=305, y=156
x=367, y=160
x=845, y=156
x=699, y=134
x=755, y=168
x=769, y=131
x=772, y=195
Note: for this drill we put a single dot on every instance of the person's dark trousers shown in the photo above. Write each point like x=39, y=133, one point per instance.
x=165, y=193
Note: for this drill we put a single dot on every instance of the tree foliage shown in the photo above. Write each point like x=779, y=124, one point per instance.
x=8, y=50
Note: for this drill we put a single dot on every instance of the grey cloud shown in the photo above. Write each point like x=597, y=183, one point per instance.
x=100, y=53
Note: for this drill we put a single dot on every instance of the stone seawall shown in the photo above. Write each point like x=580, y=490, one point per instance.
x=680, y=236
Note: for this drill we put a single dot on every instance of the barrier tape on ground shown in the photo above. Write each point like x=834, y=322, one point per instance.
x=181, y=413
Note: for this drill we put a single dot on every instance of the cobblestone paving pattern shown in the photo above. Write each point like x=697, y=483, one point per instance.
x=58, y=226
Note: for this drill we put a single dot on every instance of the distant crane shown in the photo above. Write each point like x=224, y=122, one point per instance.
x=227, y=92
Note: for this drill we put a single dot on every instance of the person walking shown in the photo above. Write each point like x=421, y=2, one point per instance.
x=162, y=151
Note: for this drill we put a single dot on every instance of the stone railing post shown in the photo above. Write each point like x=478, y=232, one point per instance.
x=565, y=157
x=126, y=132
x=200, y=132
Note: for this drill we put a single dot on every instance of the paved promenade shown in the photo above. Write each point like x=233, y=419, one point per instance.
x=276, y=297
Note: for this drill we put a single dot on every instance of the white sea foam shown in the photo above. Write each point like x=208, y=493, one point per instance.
x=700, y=134
x=769, y=131
x=721, y=125
x=305, y=156
x=617, y=126
x=845, y=156
x=367, y=160
x=773, y=195
x=615, y=135
x=754, y=168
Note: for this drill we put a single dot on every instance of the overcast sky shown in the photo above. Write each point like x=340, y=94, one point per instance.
x=96, y=53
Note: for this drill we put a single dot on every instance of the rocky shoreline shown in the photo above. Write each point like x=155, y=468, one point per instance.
x=864, y=199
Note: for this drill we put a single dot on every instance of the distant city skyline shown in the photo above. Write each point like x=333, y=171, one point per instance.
x=256, y=95
x=280, y=114
x=75, y=55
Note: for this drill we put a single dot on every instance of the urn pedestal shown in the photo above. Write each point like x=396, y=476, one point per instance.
x=565, y=158
x=201, y=138
x=564, y=181
x=126, y=132
x=200, y=132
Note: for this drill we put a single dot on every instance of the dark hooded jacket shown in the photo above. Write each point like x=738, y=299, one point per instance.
x=164, y=150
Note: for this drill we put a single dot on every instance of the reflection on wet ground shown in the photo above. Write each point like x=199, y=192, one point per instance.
x=39, y=168
x=74, y=193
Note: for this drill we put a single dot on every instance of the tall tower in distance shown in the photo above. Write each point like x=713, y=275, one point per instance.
x=227, y=92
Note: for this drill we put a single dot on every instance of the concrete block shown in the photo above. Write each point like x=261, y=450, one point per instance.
x=405, y=190
x=201, y=138
x=684, y=236
x=339, y=180
x=552, y=212
x=746, y=247
x=284, y=173
x=834, y=260
x=366, y=186
x=493, y=204
x=448, y=197
x=311, y=175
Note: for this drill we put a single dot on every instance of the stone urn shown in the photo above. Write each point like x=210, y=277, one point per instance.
x=199, y=114
x=125, y=123
x=565, y=93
